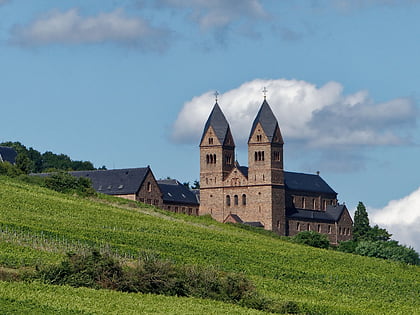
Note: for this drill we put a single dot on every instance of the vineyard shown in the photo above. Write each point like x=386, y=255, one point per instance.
x=39, y=226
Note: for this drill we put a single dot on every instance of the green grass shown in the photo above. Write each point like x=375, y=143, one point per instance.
x=39, y=226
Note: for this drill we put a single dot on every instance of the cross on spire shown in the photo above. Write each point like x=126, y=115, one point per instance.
x=265, y=92
x=216, y=94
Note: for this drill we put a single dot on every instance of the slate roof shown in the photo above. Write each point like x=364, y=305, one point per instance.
x=116, y=182
x=267, y=120
x=175, y=192
x=331, y=214
x=8, y=155
x=218, y=121
x=306, y=182
x=300, y=181
x=254, y=224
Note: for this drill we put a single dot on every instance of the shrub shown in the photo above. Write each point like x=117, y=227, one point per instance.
x=66, y=183
x=311, y=238
x=85, y=270
x=347, y=246
x=388, y=250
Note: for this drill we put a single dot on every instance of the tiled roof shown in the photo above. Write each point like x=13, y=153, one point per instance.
x=331, y=214
x=8, y=155
x=306, y=182
x=267, y=120
x=175, y=192
x=218, y=121
x=116, y=182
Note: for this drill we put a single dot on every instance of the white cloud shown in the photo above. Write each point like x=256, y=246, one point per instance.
x=70, y=27
x=313, y=116
x=218, y=13
x=401, y=218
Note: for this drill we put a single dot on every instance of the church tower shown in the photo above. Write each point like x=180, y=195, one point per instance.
x=217, y=156
x=265, y=173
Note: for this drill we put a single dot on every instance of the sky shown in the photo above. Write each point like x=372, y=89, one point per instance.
x=130, y=83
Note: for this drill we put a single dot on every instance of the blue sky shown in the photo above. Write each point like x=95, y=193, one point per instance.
x=130, y=83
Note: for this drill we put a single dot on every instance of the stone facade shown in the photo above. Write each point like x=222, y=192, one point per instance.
x=263, y=192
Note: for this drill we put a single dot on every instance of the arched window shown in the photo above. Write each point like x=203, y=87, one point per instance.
x=149, y=187
x=319, y=228
x=244, y=200
x=235, y=200
x=207, y=159
x=214, y=158
x=210, y=140
x=303, y=203
x=256, y=156
x=313, y=203
x=262, y=156
x=298, y=226
x=329, y=229
x=228, y=200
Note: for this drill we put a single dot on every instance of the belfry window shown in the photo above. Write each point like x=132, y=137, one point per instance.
x=211, y=158
x=235, y=200
x=228, y=159
x=276, y=156
x=244, y=200
x=259, y=156
x=228, y=200
x=210, y=140
x=259, y=138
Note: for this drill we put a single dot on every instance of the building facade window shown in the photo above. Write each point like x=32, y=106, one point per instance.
x=149, y=187
x=259, y=155
x=228, y=200
x=259, y=138
x=313, y=203
x=236, y=200
x=329, y=229
x=303, y=203
x=210, y=140
x=244, y=200
x=319, y=228
x=298, y=226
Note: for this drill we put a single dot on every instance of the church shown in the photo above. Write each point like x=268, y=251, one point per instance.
x=264, y=194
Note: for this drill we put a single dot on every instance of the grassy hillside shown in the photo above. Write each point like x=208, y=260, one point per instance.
x=38, y=226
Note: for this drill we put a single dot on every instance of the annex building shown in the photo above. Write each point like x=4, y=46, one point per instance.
x=264, y=194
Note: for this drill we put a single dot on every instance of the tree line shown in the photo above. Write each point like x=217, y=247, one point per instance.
x=29, y=160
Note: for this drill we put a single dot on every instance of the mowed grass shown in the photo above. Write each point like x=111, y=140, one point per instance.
x=39, y=226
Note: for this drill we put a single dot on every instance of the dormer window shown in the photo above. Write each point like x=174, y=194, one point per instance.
x=210, y=140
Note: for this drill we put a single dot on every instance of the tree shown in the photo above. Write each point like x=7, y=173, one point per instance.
x=361, y=226
x=312, y=238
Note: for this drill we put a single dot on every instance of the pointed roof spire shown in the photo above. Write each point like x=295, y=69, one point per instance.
x=267, y=121
x=218, y=121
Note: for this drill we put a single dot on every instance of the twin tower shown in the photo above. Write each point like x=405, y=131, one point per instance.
x=230, y=192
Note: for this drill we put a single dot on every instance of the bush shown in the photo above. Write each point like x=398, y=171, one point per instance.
x=66, y=183
x=388, y=250
x=79, y=270
x=347, y=246
x=9, y=169
x=311, y=238
x=152, y=275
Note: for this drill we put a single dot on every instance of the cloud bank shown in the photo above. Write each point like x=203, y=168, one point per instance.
x=69, y=27
x=402, y=219
x=316, y=117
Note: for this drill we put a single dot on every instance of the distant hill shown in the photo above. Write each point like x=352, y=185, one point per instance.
x=30, y=160
x=39, y=226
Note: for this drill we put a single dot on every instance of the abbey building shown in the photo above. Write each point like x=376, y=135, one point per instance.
x=263, y=194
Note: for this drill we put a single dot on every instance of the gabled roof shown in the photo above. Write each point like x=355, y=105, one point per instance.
x=306, y=182
x=8, y=155
x=218, y=122
x=331, y=214
x=116, y=182
x=175, y=192
x=267, y=120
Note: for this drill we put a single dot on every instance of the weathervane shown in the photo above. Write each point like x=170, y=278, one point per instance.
x=265, y=92
x=216, y=94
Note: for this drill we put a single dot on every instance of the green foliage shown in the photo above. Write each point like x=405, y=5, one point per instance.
x=32, y=161
x=347, y=246
x=152, y=276
x=92, y=270
x=66, y=183
x=10, y=170
x=361, y=222
x=377, y=234
x=311, y=238
x=388, y=250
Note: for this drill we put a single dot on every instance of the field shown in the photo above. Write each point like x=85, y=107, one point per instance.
x=39, y=226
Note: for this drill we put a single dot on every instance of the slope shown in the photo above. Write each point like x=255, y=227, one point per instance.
x=38, y=226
